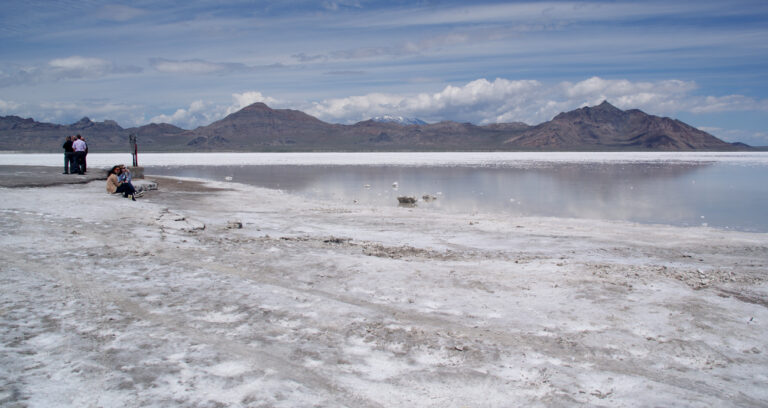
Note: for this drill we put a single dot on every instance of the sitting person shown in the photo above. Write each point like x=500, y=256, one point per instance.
x=114, y=185
x=124, y=175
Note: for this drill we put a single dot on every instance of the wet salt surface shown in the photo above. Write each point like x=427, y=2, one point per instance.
x=725, y=190
x=728, y=195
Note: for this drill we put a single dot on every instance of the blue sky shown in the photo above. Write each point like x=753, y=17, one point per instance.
x=192, y=62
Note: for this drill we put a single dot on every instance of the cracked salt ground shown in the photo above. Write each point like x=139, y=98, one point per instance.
x=161, y=303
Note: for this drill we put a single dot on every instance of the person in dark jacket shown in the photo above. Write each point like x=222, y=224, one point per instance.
x=85, y=156
x=69, y=156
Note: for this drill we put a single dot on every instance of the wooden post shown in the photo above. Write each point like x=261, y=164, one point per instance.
x=135, y=152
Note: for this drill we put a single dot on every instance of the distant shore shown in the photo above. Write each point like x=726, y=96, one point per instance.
x=385, y=158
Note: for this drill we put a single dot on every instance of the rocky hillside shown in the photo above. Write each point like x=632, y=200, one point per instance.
x=258, y=127
x=27, y=135
x=607, y=127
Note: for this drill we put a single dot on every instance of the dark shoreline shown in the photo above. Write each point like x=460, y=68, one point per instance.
x=46, y=176
x=43, y=176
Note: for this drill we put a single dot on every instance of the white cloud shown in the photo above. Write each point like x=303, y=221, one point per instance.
x=186, y=67
x=712, y=104
x=66, y=112
x=622, y=87
x=201, y=113
x=247, y=98
x=477, y=101
x=203, y=67
x=482, y=101
x=750, y=137
x=8, y=107
x=198, y=112
x=78, y=67
x=73, y=67
x=92, y=109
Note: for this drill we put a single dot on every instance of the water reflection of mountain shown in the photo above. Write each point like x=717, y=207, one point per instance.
x=672, y=193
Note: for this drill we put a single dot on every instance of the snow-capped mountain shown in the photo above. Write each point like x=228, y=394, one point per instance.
x=399, y=119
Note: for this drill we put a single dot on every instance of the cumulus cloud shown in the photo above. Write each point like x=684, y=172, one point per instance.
x=502, y=100
x=480, y=101
x=198, y=112
x=7, y=107
x=66, y=112
x=201, y=113
x=244, y=99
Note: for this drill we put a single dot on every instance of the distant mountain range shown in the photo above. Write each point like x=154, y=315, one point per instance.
x=260, y=128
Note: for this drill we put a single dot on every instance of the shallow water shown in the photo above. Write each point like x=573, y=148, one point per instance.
x=718, y=194
x=720, y=189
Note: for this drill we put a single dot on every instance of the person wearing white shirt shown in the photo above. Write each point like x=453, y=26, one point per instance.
x=79, y=146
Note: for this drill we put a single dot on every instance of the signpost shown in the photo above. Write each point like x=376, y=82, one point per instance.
x=135, y=149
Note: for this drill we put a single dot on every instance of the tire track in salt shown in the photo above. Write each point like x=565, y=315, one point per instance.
x=266, y=356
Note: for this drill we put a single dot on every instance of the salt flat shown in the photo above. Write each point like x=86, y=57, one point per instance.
x=165, y=302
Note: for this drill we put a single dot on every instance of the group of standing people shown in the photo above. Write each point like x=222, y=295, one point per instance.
x=75, y=151
x=119, y=179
